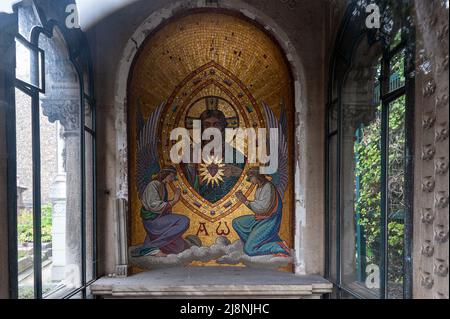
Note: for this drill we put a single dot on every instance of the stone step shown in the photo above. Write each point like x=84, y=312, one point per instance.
x=212, y=282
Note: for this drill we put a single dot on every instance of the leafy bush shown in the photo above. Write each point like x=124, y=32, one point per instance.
x=25, y=225
x=368, y=169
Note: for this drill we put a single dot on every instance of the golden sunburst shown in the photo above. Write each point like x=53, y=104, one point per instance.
x=212, y=170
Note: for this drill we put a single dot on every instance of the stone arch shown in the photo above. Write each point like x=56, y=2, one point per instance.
x=120, y=105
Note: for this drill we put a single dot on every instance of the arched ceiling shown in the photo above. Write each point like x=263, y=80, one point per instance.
x=177, y=50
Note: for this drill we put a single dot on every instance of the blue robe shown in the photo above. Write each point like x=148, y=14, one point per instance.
x=260, y=237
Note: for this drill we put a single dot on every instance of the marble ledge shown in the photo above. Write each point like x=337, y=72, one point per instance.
x=212, y=282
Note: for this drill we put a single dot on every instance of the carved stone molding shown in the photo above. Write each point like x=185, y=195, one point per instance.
x=441, y=166
x=426, y=280
x=428, y=120
x=442, y=101
x=428, y=152
x=427, y=216
x=440, y=295
x=441, y=200
x=63, y=110
x=63, y=105
x=440, y=267
x=440, y=234
x=427, y=248
x=428, y=184
x=429, y=88
x=441, y=132
x=432, y=161
x=442, y=64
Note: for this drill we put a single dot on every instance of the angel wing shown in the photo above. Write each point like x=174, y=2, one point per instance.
x=281, y=177
x=147, y=150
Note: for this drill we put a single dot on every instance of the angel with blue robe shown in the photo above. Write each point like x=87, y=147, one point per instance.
x=260, y=232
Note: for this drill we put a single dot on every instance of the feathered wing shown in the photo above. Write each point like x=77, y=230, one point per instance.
x=147, y=148
x=281, y=177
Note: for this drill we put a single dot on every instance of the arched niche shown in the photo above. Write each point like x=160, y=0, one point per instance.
x=299, y=141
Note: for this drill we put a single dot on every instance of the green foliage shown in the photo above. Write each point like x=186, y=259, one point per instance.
x=368, y=170
x=25, y=225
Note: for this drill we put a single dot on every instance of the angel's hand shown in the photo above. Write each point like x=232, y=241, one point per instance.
x=231, y=170
x=241, y=197
x=176, y=196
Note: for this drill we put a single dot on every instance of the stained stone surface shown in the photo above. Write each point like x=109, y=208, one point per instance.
x=214, y=282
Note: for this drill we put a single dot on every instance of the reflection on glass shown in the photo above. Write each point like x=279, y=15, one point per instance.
x=88, y=115
x=397, y=39
x=61, y=181
x=23, y=62
x=332, y=175
x=367, y=204
x=361, y=252
x=28, y=64
x=27, y=19
x=332, y=118
x=397, y=73
x=24, y=195
x=396, y=205
x=53, y=188
x=89, y=183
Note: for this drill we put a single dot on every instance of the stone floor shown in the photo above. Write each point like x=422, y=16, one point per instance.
x=212, y=282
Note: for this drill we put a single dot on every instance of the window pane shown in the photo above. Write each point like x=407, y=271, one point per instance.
x=53, y=187
x=23, y=62
x=397, y=74
x=361, y=250
x=61, y=181
x=332, y=118
x=396, y=204
x=24, y=195
x=28, y=64
x=332, y=180
x=28, y=19
x=86, y=81
x=361, y=181
x=89, y=183
x=397, y=39
x=88, y=115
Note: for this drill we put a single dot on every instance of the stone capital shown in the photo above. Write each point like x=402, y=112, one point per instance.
x=63, y=107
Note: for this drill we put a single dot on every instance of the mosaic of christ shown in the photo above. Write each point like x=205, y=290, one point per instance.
x=214, y=178
x=210, y=71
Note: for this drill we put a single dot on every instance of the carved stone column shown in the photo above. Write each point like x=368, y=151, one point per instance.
x=431, y=194
x=122, y=268
x=59, y=202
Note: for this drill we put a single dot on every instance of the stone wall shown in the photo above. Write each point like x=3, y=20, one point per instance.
x=431, y=191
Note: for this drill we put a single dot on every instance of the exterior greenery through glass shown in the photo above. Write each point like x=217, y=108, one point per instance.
x=369, y=161
x=40, y=44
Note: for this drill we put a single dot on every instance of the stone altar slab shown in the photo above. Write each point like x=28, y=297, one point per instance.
x=212, y=282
